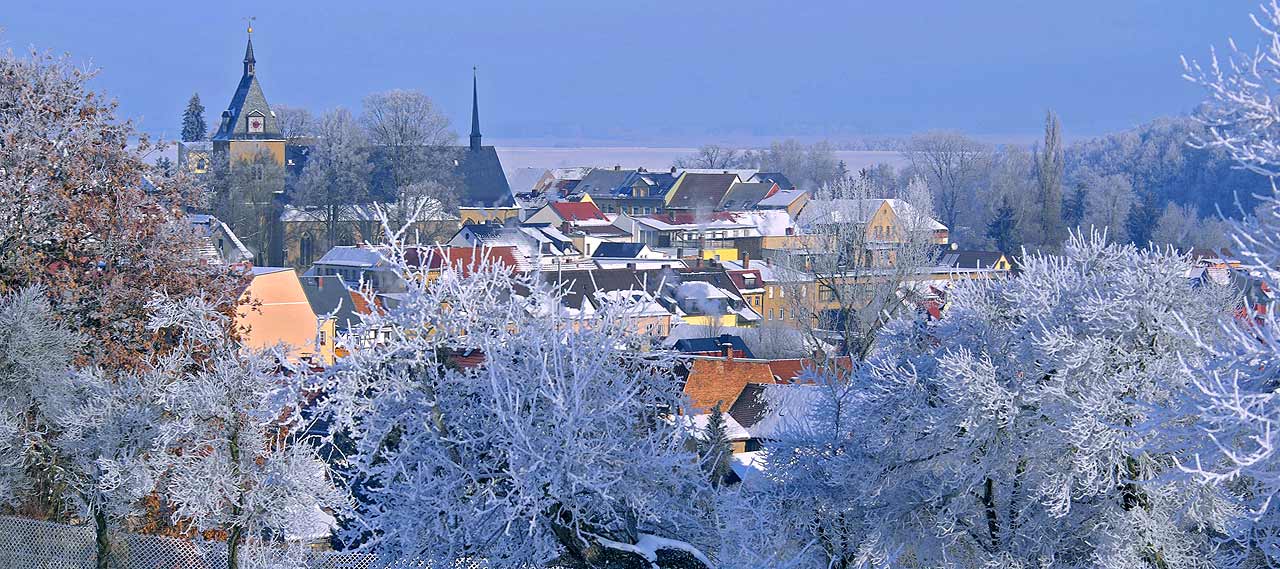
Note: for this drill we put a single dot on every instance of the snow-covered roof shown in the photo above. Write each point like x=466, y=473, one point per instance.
x=826, y=211
x=640, y=264
x=523, y=179
x=638, y=302
x=780, y=199
x=733, y=430
x=784, y=407
x=698, y=290
x=430, y=210
x=749, y=466
x=351, y=256
x=769, y=272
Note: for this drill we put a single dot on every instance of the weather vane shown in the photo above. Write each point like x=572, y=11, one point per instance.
x=250, y=19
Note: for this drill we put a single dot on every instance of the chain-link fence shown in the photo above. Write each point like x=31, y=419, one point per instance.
x=31, y=544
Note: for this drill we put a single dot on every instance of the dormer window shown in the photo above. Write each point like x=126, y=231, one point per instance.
x=257, y=122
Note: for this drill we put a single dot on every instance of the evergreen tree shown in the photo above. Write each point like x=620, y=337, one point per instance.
x=165, y=166
x=1003, y=228
x=193, y=125
x=1143, y=217
x=715, y=449
x=1073, y=208
x=1049, y=165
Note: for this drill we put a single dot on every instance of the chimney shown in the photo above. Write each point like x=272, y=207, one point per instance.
x=727, y=350
x=631, y=266
x=673, y=170
x=617, y=167
x=746, y=260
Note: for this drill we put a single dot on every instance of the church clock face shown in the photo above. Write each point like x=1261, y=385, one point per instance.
x=256, y=123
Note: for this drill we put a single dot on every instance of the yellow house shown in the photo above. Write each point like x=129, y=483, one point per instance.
x=274, y=311
x=892, y=219
x=479, y=215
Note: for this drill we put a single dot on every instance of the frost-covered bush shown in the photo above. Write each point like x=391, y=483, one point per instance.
x=234, y=455
x=483, y=423
x=1027, y=428
x=1235, y=396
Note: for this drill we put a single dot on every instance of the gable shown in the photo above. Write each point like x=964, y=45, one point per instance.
x=248, y=99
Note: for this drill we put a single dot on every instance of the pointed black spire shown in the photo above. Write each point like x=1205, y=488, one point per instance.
x=249, y=61
x=475, y=113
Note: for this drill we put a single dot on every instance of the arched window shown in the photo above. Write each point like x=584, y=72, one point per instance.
x=305, y=249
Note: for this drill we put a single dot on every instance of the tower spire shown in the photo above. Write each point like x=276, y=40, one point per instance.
x=475, y=113
x=249, y=61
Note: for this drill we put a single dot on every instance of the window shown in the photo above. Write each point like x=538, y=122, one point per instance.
x=782, y=314
x=770, y=314
x=305, y=249
x=826, y=294
x=770, y=292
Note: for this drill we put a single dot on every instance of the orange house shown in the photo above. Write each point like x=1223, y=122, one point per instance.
x=274, y=311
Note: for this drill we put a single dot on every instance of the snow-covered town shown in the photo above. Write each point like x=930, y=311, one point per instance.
x=338, y=334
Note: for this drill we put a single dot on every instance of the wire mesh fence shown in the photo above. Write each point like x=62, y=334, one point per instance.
x=32, y=544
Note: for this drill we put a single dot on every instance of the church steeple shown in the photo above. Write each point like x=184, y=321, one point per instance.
x=249, y=61
x=475, y=113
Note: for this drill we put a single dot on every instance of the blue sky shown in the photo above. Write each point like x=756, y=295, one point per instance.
x=660, y=73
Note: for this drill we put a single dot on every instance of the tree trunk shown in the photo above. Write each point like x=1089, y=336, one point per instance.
x=236, y=532
x=103, y=539
x=233, y=544
x=993, y=518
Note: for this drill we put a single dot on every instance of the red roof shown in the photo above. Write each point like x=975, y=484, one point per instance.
x=577, y=211
x=468, y=259
x=788, y=371
x=359, y=304
x=739, y=281
x=721, y=381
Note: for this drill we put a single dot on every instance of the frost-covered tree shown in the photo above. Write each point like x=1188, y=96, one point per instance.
x=243, y=193
x=1049, y=164
x=1019, y=431
x=412, y=141
x=74, y=443
x=952, y=164
x=1108, y=202
x=295, y=122
x=711, y=156
x=74, y=217
x=237, y=457
x=337, y=173
x=36, y=353
x=485, y=424
x=194, y=128
x=1236, y=399
x=861, y=273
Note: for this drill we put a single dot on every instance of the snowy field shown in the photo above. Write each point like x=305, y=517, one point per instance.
x=516, y=157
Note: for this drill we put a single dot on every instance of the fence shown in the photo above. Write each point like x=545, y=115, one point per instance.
x=31, y=544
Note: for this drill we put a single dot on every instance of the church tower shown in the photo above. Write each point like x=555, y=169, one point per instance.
x=248, y=126
x=475, y=114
